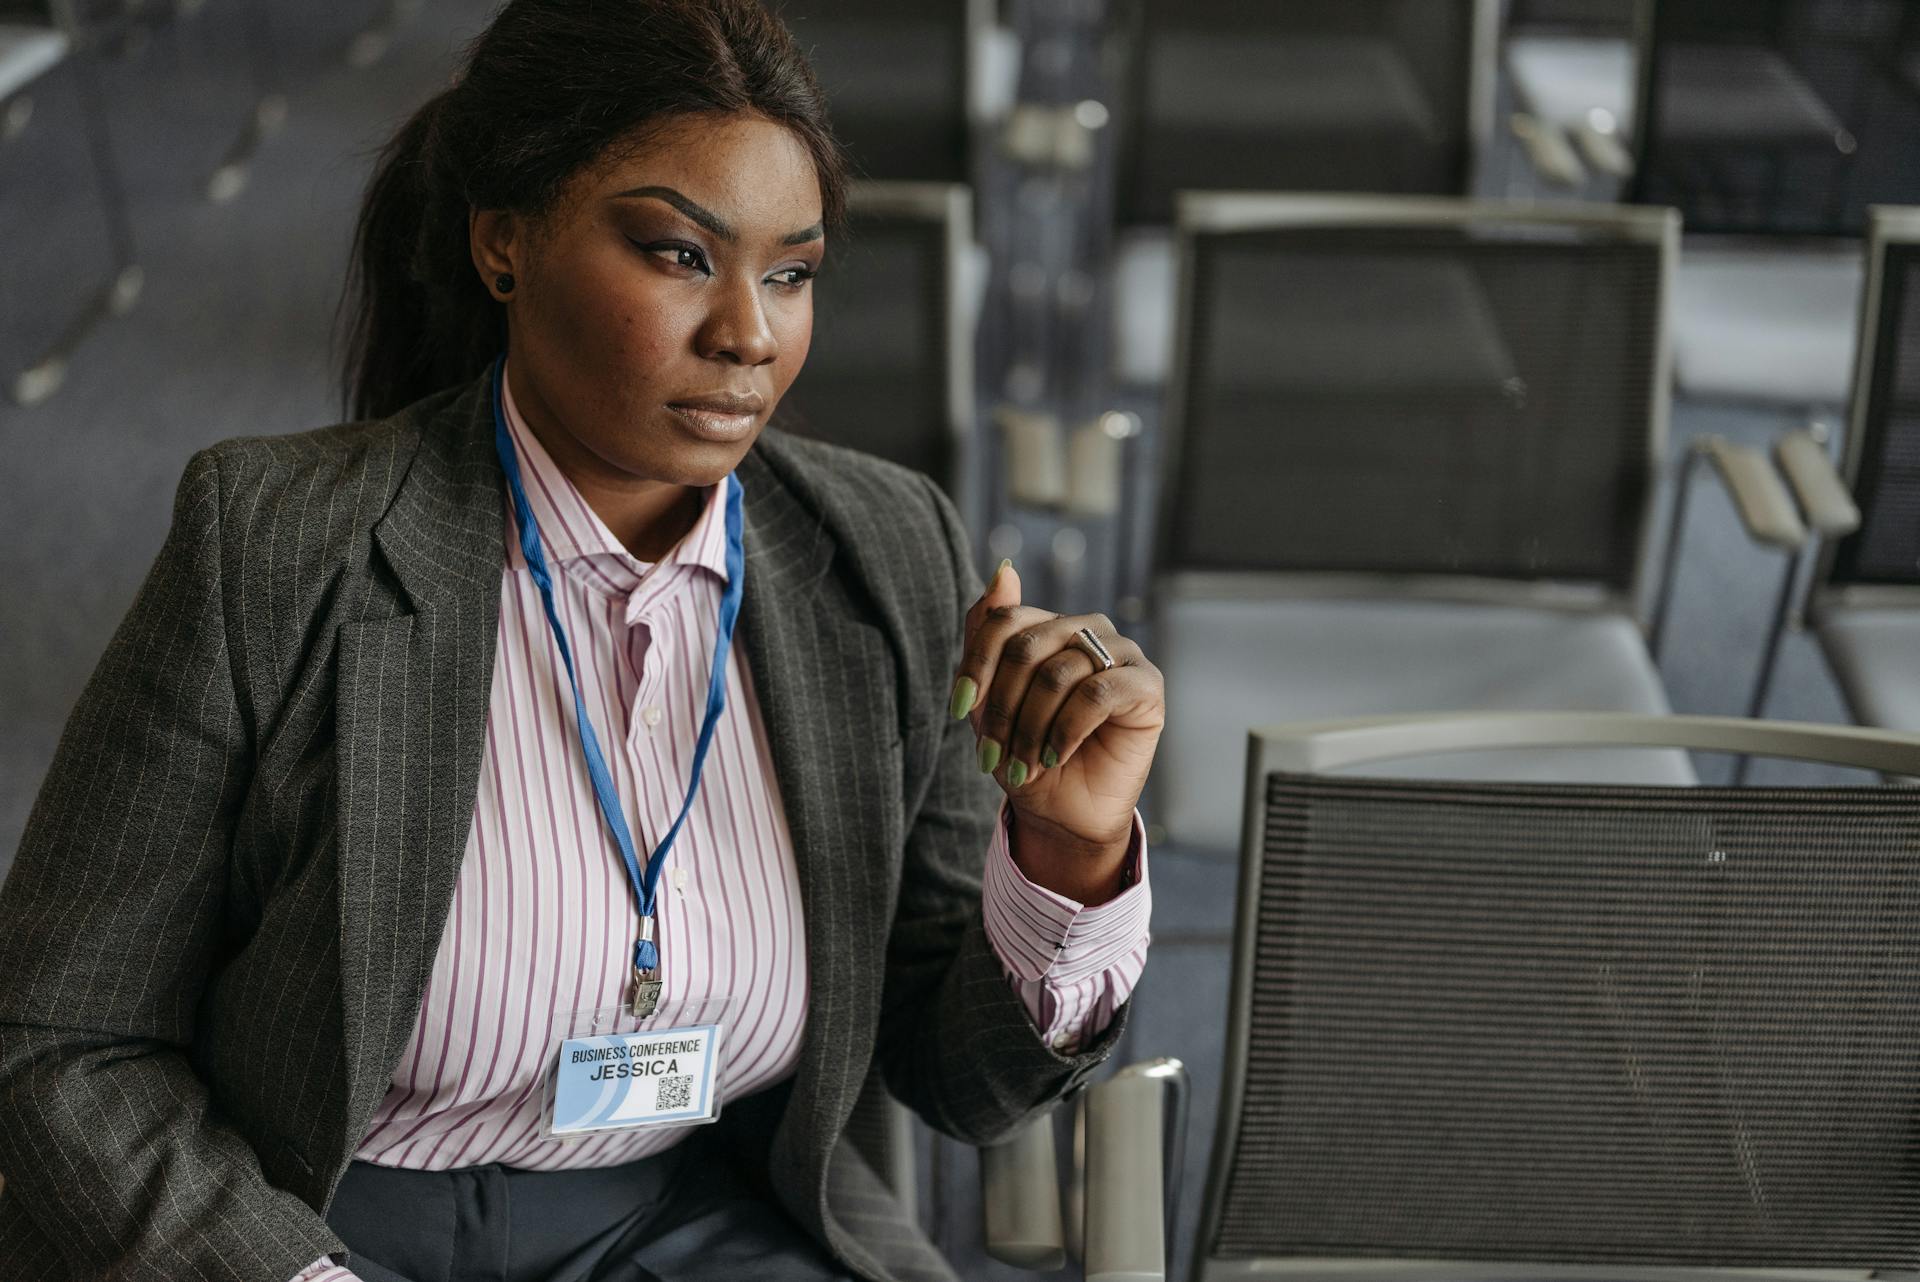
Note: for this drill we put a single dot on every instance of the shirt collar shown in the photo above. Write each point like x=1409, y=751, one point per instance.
x=575, y=538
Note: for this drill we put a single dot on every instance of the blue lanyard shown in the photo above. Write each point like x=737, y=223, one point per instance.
x=646, y=955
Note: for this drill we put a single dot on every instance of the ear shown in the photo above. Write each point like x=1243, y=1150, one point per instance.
x=497, y=241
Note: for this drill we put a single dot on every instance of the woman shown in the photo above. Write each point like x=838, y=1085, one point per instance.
x=423, y=783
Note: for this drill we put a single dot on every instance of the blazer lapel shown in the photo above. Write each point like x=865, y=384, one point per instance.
x=411, y=701
x=824, y=681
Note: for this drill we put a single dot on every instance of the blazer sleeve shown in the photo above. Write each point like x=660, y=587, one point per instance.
x=956, y=1044
x=117, y=1162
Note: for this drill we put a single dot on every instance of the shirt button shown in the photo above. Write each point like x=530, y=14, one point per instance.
x=679, y=878
x=651, y=715
x=1062, y=1041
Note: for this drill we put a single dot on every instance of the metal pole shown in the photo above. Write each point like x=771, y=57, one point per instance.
x=1770, y=655
x=1670, y=561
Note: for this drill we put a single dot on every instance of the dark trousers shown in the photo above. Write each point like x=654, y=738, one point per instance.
x=685, y=1215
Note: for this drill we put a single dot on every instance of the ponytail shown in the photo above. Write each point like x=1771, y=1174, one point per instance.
x=420, y=319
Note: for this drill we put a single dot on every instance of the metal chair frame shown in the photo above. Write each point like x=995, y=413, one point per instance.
x=1887, y=225
x=1214, y=213
x=1323, y=746
x=1646, y=105
x=1482, y=90
x=949, y=205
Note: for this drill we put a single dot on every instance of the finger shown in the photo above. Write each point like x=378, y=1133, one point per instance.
x=1054, y=682
x=1133, y=695
x=1047, y=646
x=1003, y=588
x=981, y=664
x=1002, y=591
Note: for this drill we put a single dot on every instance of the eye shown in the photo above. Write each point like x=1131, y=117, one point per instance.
x=793, y=278
x=680, y=255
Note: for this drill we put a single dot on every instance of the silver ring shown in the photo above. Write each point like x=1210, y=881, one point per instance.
x=1091, y=644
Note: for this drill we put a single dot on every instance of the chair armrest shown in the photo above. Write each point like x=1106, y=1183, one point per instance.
x=1020, y=1193
x=1816, y=484
x=1126, y=1225
x=1604, y=151
x=1551, y=155
x=1766, y=509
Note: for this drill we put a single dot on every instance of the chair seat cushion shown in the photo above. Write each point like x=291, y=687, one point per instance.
x=25, y=53
x=1234, y=665
x=1562, y=79
x=1876, y=656
x=1766, y=325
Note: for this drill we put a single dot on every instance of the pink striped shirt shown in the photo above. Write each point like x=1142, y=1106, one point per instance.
x=543, y=916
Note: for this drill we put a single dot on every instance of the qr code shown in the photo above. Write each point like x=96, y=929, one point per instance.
x=675, y=1092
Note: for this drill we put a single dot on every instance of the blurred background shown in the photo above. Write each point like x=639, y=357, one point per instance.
x=1358, y=356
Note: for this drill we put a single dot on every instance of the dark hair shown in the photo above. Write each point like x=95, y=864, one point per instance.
x=546, y=90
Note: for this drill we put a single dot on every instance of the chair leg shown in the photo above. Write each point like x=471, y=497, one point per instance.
x=1770, y=655
x=1670, y=559
x=119, y=294
x=269, y=112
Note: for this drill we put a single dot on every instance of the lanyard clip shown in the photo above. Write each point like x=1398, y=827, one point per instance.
x=646, y=971
x=646, y=993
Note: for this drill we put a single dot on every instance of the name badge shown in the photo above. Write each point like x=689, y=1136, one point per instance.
x=619, y=1081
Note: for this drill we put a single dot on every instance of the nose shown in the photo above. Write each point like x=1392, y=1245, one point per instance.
x=736, y=329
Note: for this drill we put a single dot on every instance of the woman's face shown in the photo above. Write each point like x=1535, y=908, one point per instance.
x=663, y=307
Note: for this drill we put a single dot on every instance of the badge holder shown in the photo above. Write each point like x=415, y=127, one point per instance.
x=613, y=1070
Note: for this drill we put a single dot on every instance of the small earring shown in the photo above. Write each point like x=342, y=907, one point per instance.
x=504, y=282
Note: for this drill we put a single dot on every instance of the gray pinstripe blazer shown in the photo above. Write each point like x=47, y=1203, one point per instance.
x=216, y=935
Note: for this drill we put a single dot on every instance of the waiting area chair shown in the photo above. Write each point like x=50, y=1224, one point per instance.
x=1577, y=1031
x=1308, y=96
x=1312, y=95
x=66, y=198
x=896, y=78
x=891, y=368
x=1777, y=117
x=1863, y=601
x=1782, y=120
x=1413, y=445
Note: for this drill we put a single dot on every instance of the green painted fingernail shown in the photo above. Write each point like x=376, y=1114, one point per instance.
x=963, y=693
x=989, y=756
x=1016, y=772
x=1049, y=758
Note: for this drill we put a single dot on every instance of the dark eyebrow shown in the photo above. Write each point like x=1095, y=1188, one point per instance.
x=698, y=213
x=712, y=221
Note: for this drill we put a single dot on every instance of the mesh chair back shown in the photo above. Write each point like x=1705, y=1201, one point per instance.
x=890, y=365
x=1310, y=95
x=1449, y=389
x=895, y=76
x=1610, y=1027
x=1886, y=427
x=1778, y=116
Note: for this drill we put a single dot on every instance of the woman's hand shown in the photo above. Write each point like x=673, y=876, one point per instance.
x=1069, y=740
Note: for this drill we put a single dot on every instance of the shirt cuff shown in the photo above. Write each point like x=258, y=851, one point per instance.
x=325, y=1270
x=1072, y=966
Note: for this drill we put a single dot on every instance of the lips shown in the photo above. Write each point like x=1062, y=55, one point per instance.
x=719, y=416
x=747, y=403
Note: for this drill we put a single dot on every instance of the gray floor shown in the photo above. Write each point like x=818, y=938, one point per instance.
x=233, y=338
